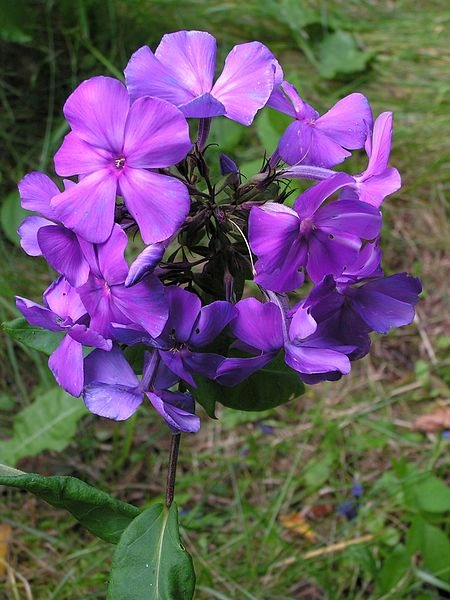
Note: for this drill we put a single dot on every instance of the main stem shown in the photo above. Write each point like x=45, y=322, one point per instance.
x=172, y=470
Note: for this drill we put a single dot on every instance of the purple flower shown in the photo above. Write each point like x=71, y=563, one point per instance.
x=108, y=300
x=64, y=312
x=322, y=141
x=189, y=329
x=378, y=180
x=182, y=68
x=322, y=239
x=113, y=390
x=112, y=147
x=44, y=236
x=269, y=327
x=363, y=300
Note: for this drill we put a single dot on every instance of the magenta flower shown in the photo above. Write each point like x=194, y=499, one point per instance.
x=64, y=312
x=112, y=147
x=324, y=140
x=182, y=68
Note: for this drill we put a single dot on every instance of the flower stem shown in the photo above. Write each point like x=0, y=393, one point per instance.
x=172, y=470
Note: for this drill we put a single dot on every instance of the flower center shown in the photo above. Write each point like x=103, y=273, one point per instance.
x=119, y=162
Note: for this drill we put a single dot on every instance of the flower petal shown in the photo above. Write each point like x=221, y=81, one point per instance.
x=145, y=75
x=156, y=134
x=66, y=364
x=88, y=207
x=64, y=300
x=212, y=319
x=145, y=263
x=309, y=360
x=36, y=190
x=177, y=409
x=259, y=325
x=348, y=122
x=28, y=231
x=77, y=157
x=109, y=367
x=158, y=203
x=62, y=251
x=97, y=111
x=116, y=401
x=38, y=315
x=246, y=82
x=144, y=304
x=191, y=57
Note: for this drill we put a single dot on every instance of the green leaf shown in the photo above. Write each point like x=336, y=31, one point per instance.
x=432, y=495
x=340, y=55
x=49, y=423
x=34, y=337
x=432, y=544
x=101, y=514
x=269, y=387
x=11, y=216
x=394, y=568
x=150, y=562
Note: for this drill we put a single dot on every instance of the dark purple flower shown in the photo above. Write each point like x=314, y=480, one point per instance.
x=108, y=300
x=269, y=328
x=189, y=329
x=112, y=147
x=113, y=390
x=320, y=239
x=181, y=71
x=321, y=140
x=64, y=312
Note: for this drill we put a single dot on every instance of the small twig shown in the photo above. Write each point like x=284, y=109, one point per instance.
x=172, y=469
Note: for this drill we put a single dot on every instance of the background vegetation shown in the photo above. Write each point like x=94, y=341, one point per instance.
x=339, y=494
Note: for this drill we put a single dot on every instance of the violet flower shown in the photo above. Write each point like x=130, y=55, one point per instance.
x=324, y=140
x=64, y=312
x=108, y=300
x=182, y=68
x=44, y=235
x=112, y=147
x=378, y=180
x=113, y=390
x=322, y=239
x=270, y=327
x=189, y=330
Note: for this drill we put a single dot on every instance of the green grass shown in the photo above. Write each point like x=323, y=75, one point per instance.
x=235, y=479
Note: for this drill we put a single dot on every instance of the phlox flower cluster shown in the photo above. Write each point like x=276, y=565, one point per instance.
x=154, y=253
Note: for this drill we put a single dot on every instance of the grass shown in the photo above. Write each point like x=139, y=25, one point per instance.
x=242, y=474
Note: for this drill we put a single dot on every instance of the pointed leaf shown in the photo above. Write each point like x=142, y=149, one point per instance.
x=101, y=514
x=34, y=337
x=150, y=562
x=49, y=423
